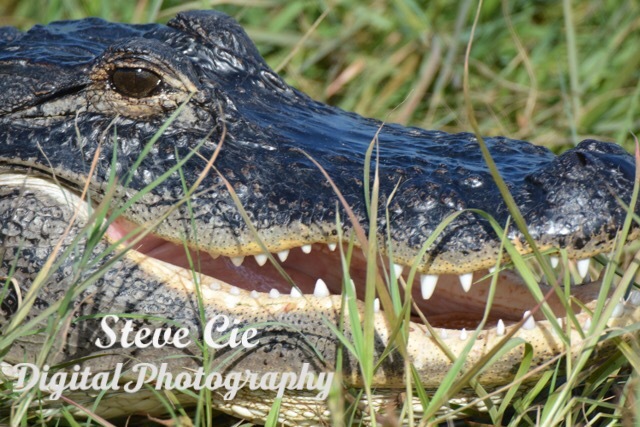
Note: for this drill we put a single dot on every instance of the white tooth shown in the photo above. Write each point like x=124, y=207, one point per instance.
x=321, y=289
x=283, y=255
x=273, y=293
x=254, y=294
x=237, y=260
x=554, y=261
x=443, y=334
x=500, y=329
x=295, y=293
x=397, y=269
x=428, y=284
x=261, y=259
x=463, y=334
x=234, y=291
x=560, y=321
x=583, y=267
x=587, y=324
x=530, y=323
x=492, y=269
x=634, y=297
x=215, y=286
x=306, y=249
x=466, y=280
x=332, y=246
x=376, y=305
x=618, y=310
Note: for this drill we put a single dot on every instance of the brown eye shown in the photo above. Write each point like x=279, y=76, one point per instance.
x=135, y=82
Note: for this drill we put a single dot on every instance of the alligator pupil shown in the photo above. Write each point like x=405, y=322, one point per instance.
x=135, y=82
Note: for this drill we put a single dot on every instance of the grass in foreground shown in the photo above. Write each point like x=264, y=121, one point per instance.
x=568, y=392
x=521, y=90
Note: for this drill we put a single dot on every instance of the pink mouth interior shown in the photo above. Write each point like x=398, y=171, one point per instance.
x=450, y=306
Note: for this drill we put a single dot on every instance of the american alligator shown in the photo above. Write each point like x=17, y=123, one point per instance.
x=111, y=131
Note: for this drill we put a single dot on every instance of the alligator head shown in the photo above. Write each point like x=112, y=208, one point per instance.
x=162, y=126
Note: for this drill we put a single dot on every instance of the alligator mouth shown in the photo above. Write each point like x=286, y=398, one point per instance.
x=255, y=294
x=448, y=301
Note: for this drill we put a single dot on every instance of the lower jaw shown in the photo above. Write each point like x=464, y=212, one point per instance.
x=430, y=348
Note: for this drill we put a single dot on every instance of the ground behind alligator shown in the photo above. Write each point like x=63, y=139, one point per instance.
x=550, y=72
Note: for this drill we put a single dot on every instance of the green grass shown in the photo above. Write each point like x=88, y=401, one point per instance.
x=550, y=72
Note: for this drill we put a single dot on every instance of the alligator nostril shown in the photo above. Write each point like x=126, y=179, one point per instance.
x=594, y=146
x=582, y=158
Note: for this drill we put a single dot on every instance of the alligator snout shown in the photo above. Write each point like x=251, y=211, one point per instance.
x=597, y=161
x=583, y=192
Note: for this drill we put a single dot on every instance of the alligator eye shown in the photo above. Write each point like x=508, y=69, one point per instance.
x=135, y=82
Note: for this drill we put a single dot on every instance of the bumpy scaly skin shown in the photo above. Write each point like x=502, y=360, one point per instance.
x=566, y=201
x=59, y=110
x=32, y=220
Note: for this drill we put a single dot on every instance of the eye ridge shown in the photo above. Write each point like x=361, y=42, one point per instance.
x=135, y=82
